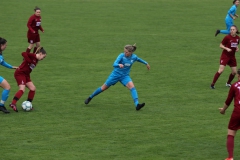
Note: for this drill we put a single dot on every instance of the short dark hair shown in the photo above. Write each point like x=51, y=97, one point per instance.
x=40, y=49
x=43, y=51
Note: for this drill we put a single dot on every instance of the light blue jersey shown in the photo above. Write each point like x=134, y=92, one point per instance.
x=127, y=62
x=122, y=74
x=3, y=63
x=231, y=11
x=229, y=20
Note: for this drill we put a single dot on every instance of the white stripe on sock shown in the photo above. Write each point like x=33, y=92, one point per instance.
x=2, y=102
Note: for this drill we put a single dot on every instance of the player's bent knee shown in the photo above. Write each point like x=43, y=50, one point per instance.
x=33, y=89
x=104, y=87
x=5, y=85
x=220, y=71
x=8, y=87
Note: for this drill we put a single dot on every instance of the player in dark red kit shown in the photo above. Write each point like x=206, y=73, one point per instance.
x=34, y=24
x=22, y=75
x=234, y=123
x=229, y=45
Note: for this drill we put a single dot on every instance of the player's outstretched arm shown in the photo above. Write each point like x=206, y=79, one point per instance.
x=5, y=64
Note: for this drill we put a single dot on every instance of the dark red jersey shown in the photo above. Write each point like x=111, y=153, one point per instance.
x=29, y=63
x=230, y=42
x=234, y=92
x=34, y=24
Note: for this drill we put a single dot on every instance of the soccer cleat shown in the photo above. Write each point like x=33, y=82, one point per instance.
x=228, y=85
x=139, y=106
x=229, y=159
x=87, y=100
x=217, y=32
x=3, y=109
x=212, y=86
x=14, y=107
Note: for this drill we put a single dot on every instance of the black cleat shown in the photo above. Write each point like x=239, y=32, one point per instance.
x=3, y=109
x=87, y=100
x=212, y=86
x=217, y=32
x=139, y=106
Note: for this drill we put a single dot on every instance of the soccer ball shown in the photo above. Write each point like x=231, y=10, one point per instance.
x=27, y=106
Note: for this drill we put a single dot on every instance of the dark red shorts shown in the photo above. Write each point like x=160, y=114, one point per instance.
x=231, y=61
x=22, y=79
x=234, y=123
x=33, y=38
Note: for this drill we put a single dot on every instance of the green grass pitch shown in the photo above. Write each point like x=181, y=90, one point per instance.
x=83, y=38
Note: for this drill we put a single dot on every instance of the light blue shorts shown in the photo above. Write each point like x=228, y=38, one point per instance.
x=229, y=24
x=113, y=79
x=1, y=79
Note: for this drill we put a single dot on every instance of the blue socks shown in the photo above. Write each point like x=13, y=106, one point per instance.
x=5, y=94
x=96, y=92
x=134, y=95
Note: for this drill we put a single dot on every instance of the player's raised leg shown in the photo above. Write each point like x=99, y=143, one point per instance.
x=228, y=25
x=96, y=92
x=111, y=80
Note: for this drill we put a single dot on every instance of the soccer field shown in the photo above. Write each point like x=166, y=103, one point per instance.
x=83, y=38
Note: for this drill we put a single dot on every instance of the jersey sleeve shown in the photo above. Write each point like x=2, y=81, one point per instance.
x=230, y=96
x=29, y=24
x=5, y=64
x=232, y=10
x=40, y=27
x=116, y=62
x=141, y=60
x=225, y=40
x=27, y=56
